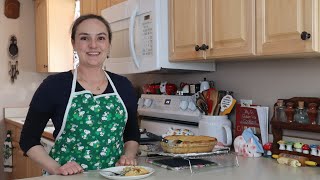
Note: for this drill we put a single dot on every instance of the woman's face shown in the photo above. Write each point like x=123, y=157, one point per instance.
x=91, y=42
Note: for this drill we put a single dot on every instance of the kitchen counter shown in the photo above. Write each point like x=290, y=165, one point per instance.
x=19, y=121
x=250, y=168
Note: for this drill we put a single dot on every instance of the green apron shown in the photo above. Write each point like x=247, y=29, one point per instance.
x=92, y=129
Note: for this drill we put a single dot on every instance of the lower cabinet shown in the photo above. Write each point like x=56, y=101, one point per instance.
x=23, y=166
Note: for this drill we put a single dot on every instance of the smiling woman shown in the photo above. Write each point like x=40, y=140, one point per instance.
x=93, y=111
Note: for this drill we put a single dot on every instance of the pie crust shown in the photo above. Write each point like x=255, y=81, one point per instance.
x=188, y=144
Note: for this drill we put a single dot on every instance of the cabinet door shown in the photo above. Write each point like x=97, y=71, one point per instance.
x=186, y=27
x=93, y=6
x=114, y=2
x=19, y=163
x=34, y=169
x=41, y=30
x=61, y=15
x=53, y=42
x=280, y=24
x=230, y=30
x=88, y=7
x=102, y=4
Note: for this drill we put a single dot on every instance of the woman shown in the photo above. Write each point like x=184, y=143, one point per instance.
x=93, y=111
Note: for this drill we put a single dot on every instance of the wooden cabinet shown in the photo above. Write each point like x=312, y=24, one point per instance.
x=281, y=23
x=23, y=167
x=186, y=29
x=95, y=6
x=206, y=29
x=231, y=29
x=53, y=19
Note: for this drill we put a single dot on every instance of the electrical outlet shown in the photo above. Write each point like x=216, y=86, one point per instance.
x=245, y=102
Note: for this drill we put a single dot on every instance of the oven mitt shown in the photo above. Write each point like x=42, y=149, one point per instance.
x=247, y=134
x=7, y=163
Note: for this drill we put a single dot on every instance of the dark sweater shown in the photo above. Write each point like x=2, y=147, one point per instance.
x=51, y=99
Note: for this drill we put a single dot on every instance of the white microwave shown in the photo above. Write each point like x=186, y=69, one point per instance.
x=140, y=39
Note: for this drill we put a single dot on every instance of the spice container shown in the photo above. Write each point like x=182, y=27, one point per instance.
x=280, y=111
x=301, y=115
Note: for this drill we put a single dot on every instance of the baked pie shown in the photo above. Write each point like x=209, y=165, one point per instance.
x=188, y=144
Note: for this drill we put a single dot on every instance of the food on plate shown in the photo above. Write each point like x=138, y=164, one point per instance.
x=134, y=171
x=188, y=144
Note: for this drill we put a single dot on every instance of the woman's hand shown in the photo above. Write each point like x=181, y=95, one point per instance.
x=69, y=168
x=126, y=160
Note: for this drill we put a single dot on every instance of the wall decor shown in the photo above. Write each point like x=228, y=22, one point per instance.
x=12, y=9
x=13, y=54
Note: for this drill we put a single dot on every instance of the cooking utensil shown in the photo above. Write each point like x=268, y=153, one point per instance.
x=227, y=103
x=121, y=173
x=211, y=96
x=201, y=103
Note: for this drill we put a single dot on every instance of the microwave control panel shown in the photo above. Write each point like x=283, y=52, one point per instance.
x=146, y=31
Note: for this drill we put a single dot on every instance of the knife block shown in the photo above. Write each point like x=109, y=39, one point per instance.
x=278, y=126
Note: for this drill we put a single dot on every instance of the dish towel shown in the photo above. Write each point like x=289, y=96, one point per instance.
x=7, y=163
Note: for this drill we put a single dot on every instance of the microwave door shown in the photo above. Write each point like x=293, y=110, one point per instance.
x=131, y=37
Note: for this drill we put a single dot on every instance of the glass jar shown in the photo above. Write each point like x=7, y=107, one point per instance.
x=280, y=113
x=301, y=115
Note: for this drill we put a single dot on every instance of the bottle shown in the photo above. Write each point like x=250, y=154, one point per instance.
x=301, y=115
x=289, y=112
x=318, y=117
x=280, y=113
x=312, y=113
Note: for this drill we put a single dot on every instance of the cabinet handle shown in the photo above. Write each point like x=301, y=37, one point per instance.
x=45, y=66
x=305, y=35
x=197, y=47
x=202, y=47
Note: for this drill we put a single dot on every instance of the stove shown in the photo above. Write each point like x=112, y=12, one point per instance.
x=160, y=113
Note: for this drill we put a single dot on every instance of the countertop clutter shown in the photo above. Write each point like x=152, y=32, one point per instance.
x=250, y=168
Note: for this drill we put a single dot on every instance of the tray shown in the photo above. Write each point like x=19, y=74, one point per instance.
x=195, y=163
x=215, y=151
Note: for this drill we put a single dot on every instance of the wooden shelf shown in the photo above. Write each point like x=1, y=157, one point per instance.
x=278, y=126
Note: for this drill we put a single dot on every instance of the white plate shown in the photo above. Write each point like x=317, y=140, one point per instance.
x=118, y=169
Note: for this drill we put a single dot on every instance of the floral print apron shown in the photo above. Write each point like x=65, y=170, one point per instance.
x=92, y=130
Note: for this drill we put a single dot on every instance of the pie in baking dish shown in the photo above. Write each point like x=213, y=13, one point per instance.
x=179, y=144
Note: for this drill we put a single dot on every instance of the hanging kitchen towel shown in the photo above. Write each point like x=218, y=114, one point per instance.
x=7, y=163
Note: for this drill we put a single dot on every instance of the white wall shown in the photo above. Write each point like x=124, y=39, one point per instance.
x=263, y=81
x=20, y=92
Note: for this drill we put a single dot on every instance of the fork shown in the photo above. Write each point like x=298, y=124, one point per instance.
x=101, y=170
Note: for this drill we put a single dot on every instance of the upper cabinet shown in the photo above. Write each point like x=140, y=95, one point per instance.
x=187, y=24
x=95, y=6
x=229, y=29
x=53, y=19
x=287, y=26
x=206, y=29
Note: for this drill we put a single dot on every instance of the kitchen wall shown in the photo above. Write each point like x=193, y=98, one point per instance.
x=263, y=81
x=19, y=93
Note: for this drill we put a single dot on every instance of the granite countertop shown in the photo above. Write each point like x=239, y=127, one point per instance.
x=250, y=168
